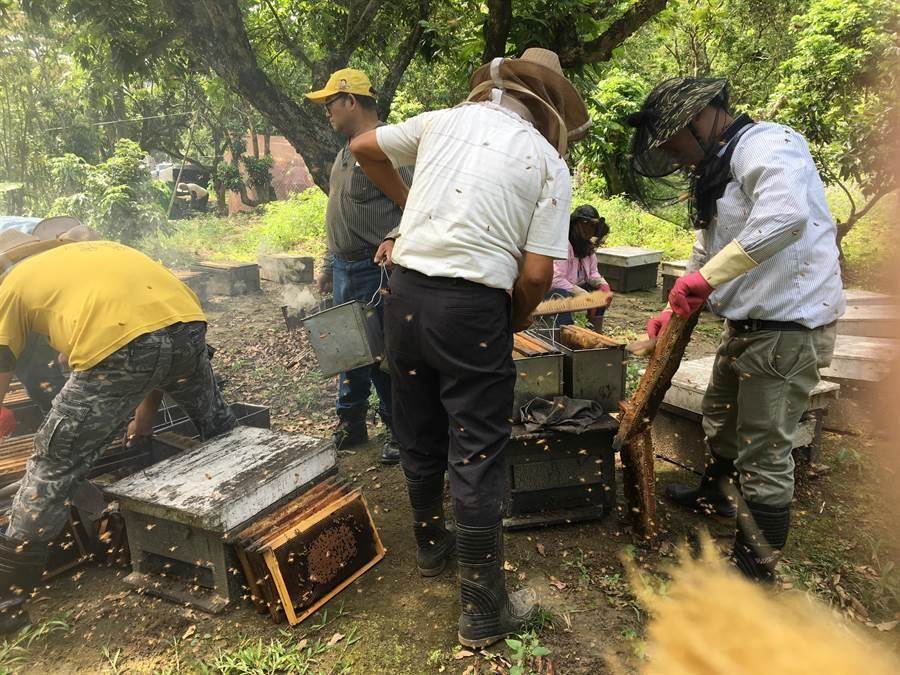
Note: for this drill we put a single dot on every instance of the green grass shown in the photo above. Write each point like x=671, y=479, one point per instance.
x=15, y=649
x=294, y=225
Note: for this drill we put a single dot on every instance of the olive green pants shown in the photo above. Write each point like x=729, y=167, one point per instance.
x=757, y=393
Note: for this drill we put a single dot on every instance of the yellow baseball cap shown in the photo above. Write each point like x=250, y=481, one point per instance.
x=344, y=81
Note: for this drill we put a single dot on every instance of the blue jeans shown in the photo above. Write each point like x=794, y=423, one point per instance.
x=359, y=280
x=565, y=318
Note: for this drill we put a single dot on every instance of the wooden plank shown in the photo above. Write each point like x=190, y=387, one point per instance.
x=577, y=337
x=576, y=303
x=634, y=438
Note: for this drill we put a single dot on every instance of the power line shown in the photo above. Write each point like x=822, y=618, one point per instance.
x=133, y=119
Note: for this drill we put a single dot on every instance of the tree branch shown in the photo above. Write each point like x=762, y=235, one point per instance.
x=496, y=29
x=401, y=61
x=601, y=48
x=214, y=31
x=355, y=32
x=289, y=43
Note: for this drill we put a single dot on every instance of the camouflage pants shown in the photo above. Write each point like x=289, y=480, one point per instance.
x=91, y=409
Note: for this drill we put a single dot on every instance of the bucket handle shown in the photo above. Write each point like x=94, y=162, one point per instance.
x=372, y=304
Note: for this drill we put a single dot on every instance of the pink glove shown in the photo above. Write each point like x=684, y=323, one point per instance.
x=7, y=422
x=688, y=294
x=657, y=324
x=606, y=289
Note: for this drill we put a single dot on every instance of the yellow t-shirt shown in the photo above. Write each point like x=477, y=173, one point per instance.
x=90, y=299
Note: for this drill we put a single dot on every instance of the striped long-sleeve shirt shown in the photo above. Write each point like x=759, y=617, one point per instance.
x=359, y=215
x=775, y=208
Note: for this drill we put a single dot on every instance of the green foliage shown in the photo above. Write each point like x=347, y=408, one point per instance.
x=840, y=87
x=296, y=224
x=117, y=197
x=618, y=94
x=524, y=649
x=228, y=175
x=259, y=173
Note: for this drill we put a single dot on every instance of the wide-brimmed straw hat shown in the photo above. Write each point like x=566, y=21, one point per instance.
x=15, y=246
x=540, y=73
x=54, y=226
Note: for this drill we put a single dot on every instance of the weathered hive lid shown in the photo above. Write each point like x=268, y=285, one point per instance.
x=628, y=256
x=226, y=480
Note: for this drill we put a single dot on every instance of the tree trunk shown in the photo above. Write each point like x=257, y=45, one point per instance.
x=215, y=30
x=615, y=185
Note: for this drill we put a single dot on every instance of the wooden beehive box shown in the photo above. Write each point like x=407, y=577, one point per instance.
x=299, y=557
x=180, y=511
x=284, y=268
x=875, y=321
x=670, y=271
x=227, y=277
x=629, y=268
x=196, y=280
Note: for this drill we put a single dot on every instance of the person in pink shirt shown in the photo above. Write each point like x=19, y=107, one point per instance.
x=578, y=273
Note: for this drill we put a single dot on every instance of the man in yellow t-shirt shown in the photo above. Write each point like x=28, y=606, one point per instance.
x=128, y=327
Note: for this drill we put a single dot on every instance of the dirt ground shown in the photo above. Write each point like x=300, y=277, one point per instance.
x=392, y=620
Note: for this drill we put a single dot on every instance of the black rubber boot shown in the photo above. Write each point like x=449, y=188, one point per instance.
x=762, y=533
x=708, y=497
x=489, y=613
x=435, y=543
x=21, y=568
x=351, y=429
x=390, y=451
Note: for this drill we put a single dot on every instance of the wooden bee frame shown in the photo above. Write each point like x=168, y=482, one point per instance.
x=298, y=558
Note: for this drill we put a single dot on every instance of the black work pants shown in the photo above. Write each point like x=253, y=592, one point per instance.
x=449, y=344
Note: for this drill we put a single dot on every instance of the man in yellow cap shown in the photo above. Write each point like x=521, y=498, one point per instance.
x=128, y=327
x=358, y=218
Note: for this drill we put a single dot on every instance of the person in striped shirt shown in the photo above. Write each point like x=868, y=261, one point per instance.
x=766, y=260
x=358, y=218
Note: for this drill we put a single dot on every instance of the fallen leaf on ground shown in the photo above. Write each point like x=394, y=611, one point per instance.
x=540, y=549
x=463, y=654
x=337, y=637
x=558, y=585
x=190, y=631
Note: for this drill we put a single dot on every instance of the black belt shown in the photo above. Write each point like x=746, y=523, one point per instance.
x=750, y=325
x=357, y=255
